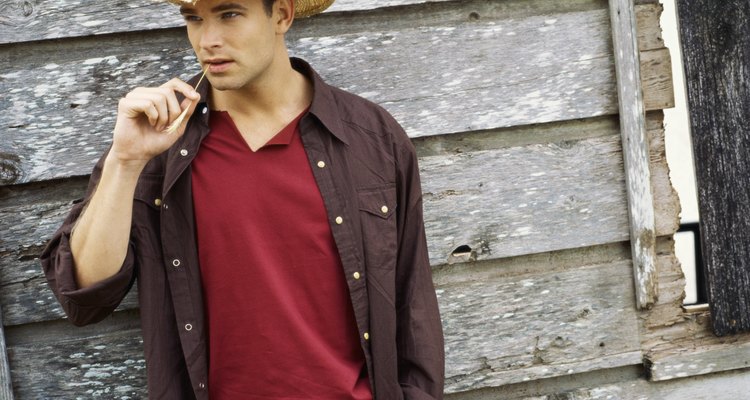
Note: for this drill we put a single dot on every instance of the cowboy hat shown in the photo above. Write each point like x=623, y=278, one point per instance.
x=302, y=8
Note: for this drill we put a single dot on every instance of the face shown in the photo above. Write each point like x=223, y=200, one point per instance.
x=236, y=39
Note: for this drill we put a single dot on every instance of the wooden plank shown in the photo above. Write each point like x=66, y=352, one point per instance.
x=656, y=79
x=30, y=215
x=500, y=193
x=635, y=150
x=59, y=111
x=649, y=27
x=666, y=201
x=6, y=388
x=24, y=21
x=678, y=344
x=700, y=361
x=44, y=19
x=715, y=48
x=622, y=384
x=501, y=202
x=504, y=326
x=516, y=201
x=100, y=361
x=575, y=318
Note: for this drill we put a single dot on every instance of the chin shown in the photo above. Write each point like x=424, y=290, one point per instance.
x=226, y=84
x=223, y=87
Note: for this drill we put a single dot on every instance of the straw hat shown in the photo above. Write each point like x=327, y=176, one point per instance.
x=302, y=8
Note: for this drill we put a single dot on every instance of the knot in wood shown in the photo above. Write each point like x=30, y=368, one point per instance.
x=10, y=171
x=27, y=8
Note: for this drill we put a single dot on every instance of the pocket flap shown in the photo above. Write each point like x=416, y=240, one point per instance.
x=378, y=202
x=148, y=190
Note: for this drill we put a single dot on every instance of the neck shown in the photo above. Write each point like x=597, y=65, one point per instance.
x=281, y=91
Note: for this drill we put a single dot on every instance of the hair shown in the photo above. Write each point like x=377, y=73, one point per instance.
x=268, y=5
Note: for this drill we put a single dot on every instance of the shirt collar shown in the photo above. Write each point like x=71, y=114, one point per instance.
x=324, y=106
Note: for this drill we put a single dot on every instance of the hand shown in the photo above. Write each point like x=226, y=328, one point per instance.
x=142, y=117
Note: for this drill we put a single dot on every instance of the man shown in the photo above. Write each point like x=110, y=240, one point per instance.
x=276, y=236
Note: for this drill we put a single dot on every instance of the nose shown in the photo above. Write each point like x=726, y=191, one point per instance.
x=210, y=37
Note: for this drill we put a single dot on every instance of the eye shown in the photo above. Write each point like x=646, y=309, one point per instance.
x=191, y=18
x=229, y=15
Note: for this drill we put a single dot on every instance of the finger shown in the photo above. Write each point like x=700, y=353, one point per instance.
x=160, y=101
x=137, y=107
x=165, y=101
x=182, y=87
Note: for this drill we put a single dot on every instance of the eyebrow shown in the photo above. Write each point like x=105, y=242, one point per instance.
x=221, y=7
x=227, y=7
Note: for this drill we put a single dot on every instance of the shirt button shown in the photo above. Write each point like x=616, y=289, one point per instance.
x=339, y=220
x=366, y=336
x=183, y=153
x=321, y=164
x=384, y=209
x=176, y=262
x=157, y=202
x=202, y=385
x=188, y=327
x=357, y=275
x=205, y=110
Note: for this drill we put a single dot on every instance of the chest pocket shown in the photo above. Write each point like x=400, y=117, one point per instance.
x=377, y=209
x=147, y=200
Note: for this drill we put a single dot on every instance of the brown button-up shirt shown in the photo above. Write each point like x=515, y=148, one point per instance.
x=366, y=170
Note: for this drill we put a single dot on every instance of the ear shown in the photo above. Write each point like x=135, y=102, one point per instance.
x=283, y=14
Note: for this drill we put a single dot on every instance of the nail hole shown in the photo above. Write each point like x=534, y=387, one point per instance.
x=461, y=251
x=462, y=254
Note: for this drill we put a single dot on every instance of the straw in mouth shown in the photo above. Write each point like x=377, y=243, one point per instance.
x=172, y=128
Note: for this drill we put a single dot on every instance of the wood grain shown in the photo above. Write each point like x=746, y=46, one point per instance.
x=6, y=389
x=518, y=138
x=100, y=361
x=630, y=386
x=576, y=316
x=523, y=197
x=524, y=200
x=635, y=149
x=24, y=20
x=677, y=344
x=501, y=329
x=58, y=113
x=716, y=47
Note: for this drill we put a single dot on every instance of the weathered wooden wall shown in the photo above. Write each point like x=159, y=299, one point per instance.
x=717, y=92
x=512, y=105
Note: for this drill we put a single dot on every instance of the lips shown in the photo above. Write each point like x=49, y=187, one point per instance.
x=216, y=66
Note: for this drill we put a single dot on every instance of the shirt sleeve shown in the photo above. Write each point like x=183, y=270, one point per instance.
x=421, y=354
x=92, y=304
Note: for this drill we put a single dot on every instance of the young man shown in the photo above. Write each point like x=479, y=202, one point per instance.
x=276, y=236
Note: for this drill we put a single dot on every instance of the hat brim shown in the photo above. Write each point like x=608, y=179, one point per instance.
x=302, y=8
x=308, y=8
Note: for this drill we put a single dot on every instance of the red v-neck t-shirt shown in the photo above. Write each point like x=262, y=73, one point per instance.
x=280, y=320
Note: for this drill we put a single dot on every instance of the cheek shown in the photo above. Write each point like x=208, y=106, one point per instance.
x=193, y=37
